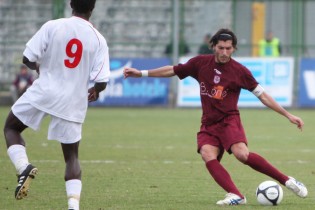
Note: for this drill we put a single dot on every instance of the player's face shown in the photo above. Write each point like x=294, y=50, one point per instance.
x=223, y=51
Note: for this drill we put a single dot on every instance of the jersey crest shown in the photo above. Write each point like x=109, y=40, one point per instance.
x=216, y=79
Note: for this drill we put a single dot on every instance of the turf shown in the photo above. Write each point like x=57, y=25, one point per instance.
x=145, y=158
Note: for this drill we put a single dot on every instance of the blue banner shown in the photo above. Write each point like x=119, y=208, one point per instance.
x=135, y=91
x=275, y=75
x=307, y=83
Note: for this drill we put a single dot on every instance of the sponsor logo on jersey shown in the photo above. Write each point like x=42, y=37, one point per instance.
x=217, y=92
x=217, y=71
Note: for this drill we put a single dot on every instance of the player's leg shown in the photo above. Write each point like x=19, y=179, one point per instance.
x=261, y=165
x=212, y=155
x=257, y=162
x=72, y=174
x=68, y=133
x=13, y=128
x=16, y=151
x=235, y=141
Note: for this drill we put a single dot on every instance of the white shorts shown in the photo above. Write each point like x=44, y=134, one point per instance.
x=64, y=131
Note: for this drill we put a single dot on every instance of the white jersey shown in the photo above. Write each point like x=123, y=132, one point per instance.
x=70, y=52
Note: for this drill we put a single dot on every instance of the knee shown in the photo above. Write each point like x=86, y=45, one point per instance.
x=10, y=128
x=242, y=156
x=208, y=154
x=5, y=130
x=240, y=151
x=12, y=136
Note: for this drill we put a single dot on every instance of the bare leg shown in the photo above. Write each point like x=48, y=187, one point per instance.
x=15, y=143
x=16, y=150
x=12, y=130
x=72, y=174
x=71, y=154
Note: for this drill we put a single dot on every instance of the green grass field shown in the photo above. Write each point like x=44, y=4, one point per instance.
x=145, y=158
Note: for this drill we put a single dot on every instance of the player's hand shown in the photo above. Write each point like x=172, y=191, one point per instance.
x=131, y=72
x=93, y=94
x=297, y=121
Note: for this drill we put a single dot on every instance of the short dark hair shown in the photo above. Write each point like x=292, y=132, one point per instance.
x=224, y=34
x=82, y=6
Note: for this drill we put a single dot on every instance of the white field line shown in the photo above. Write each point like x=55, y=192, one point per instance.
x=120, y=162
x=166, y=162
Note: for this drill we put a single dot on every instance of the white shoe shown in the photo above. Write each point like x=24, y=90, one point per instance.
x=232, y=199
x=297, y=187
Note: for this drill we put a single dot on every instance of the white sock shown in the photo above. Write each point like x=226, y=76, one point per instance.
x=73, y=189
x=18, y=156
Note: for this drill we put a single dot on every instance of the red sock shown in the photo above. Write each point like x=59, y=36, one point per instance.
x=263, y=166
x=222, y=177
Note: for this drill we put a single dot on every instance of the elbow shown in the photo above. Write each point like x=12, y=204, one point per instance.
x=25, y=60
x=29, y=64
x=262, y=99
x=265, y=99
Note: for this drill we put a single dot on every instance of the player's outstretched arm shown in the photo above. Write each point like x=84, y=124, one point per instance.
x=165, y=71
x=268, y=101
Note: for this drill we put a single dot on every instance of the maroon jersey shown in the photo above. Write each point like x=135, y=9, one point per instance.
x=220, y=85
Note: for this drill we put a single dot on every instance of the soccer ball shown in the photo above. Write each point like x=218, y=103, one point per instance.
x=269, y=193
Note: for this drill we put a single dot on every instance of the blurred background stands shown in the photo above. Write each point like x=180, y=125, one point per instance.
x=142, y=28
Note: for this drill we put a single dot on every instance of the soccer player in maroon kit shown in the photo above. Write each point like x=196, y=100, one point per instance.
x=221, y=79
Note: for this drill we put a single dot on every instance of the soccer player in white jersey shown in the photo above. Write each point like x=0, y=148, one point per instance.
x=67, y=53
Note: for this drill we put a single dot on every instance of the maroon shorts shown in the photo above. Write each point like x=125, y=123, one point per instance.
x=222, y=134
